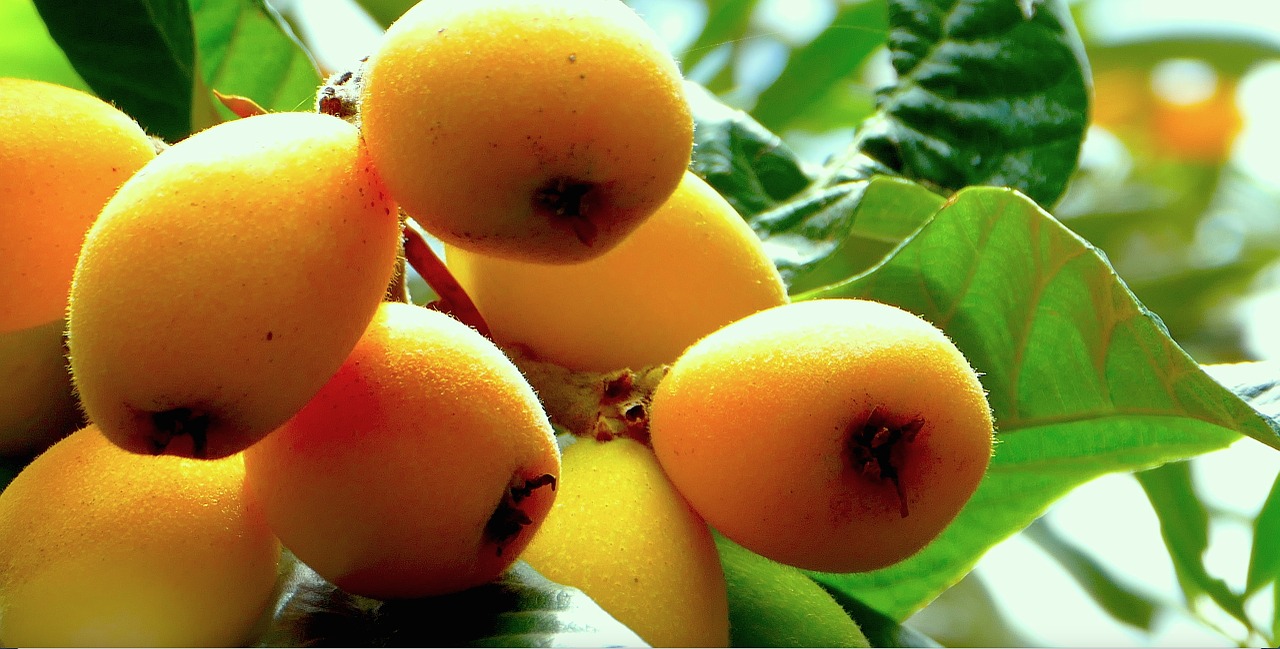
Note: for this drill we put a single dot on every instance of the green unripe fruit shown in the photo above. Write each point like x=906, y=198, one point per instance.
x=775, y=605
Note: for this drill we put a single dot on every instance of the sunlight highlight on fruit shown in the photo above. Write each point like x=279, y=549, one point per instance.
x=835, y=435
x=623, y=535
x=227, y=281
x=543, y=131
x=423, y=467
x=63, y=153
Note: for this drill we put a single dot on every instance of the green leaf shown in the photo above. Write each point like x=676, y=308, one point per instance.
x=27, y=51
x=836, y=54
x=830, y=235
x=138, y=54
x=880, y=629
x=521, y=609
x=726, y=26
x=986, y=95
x=247, y=49
x=385, y=12
x=158, y=59
x=1184, y=524
x=1257, y=383
x=774, y=605
x=1232, y=55
x=967, y=615
x=747, y=164
x=1118, y=599
x=1082, y=380
x=1264, y=559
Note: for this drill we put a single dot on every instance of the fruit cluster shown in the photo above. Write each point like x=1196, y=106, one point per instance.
x=251, y=378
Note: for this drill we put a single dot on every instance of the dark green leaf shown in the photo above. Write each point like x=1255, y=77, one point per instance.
x=986, y=95
x=836, y=54
x=139, y=54
x=882, y=630
x=747, y=164
x=247, y=49
x=832, y=234
x=1264, y=560
x=1184, y=524
x=1118, y=599
x=385, y=12
x=522, y=609
x=774, y=605
x=1081, y=378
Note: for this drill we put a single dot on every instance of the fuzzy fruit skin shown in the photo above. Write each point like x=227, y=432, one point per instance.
x=385, y=481
x=63, y=153
x=621, y=533
x=775, y=605
x=230, y=277
x=103, y=547
x=37, y=406
x=754, y=423
x=691, y=268
x=473, y=110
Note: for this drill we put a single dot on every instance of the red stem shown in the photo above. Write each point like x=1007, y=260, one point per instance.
x=453, y=299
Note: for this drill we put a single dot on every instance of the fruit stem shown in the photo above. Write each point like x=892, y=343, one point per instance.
x=453, y=299
x=598, y=405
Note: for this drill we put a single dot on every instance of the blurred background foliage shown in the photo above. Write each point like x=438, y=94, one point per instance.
x=1179, y=184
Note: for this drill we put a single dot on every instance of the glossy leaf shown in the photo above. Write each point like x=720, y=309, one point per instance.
x=989, y=92
x=839, y=52
x=521, y=609
x=750, y=166
x=832, y=234
x=1081, y=378
x=138, y=54
x=159, y=60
